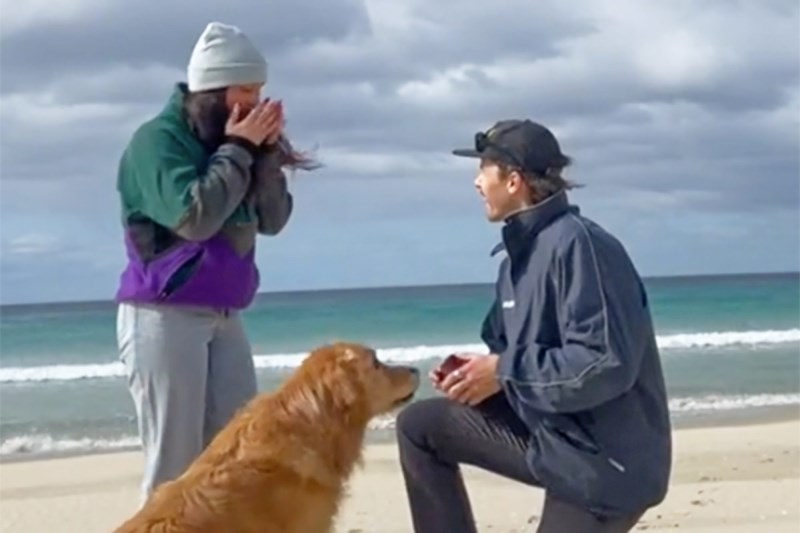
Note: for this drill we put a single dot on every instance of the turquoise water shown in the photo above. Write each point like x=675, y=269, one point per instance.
x=728, y=343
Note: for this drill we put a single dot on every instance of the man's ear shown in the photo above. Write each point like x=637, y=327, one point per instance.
x=515, y=181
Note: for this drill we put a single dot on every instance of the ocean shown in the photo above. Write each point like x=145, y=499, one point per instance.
x=729, y=344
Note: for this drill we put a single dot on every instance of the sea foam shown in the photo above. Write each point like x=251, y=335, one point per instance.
x=412, y=354
x=39, y=444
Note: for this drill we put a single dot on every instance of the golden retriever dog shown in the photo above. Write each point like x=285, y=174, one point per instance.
x=282, y=464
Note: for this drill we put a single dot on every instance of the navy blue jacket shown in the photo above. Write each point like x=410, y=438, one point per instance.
x=579, y=362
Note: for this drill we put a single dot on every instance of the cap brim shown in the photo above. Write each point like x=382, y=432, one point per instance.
x=466, y=152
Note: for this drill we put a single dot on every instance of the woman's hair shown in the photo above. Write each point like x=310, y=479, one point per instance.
x=544, y=185
x=208, y=114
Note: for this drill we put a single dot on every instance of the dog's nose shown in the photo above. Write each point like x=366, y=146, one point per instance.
x=414, y=370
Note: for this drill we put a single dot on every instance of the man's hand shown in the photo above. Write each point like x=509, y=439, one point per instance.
x=475, y=381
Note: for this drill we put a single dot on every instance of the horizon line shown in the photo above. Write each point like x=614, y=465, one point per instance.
x=365, y=288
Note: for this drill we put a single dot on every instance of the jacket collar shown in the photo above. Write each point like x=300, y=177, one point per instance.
x=175, y=112
x=522, y=226
x=174, y=105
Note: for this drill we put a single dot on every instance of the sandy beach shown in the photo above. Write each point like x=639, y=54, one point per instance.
x=726, y=479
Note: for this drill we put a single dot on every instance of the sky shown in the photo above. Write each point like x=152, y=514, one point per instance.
x=681, y=118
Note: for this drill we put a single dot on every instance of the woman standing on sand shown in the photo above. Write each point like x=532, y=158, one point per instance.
x=197, y=183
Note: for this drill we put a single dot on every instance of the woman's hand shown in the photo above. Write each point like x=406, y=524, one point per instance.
x=273, y=136
x=265, y=121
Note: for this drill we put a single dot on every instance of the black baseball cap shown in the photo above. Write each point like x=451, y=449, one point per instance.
x=522, y=144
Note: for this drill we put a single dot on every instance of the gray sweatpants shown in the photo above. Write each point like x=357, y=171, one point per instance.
x=189, y=370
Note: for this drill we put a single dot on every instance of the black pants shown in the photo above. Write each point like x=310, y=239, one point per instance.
x=435, y=436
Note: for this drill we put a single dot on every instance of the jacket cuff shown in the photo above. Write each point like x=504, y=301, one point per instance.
x=251, y=147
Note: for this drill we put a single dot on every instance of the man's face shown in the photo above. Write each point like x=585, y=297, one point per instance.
x=502, y=195
x=247, y=96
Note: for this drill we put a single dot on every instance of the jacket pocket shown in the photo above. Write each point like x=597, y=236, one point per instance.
x=575, y=435
x=181, y=275
x=569, y=462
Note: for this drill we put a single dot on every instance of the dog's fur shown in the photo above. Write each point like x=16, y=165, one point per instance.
x=281, y=465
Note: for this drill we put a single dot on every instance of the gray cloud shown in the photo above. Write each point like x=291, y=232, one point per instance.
x=143, y=34
x=667, y=107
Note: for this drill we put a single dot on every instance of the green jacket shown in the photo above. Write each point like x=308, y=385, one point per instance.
x=173, y=189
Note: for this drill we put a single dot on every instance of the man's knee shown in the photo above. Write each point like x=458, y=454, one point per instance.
x=418, y=420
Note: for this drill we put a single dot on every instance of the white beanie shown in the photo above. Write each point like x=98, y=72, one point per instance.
x=224, y=56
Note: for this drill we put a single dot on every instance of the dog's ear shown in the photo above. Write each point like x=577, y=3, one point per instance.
x=346, y=393
x=345, y=380
x=346, y=385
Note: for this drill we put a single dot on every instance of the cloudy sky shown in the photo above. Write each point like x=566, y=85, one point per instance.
x=682, y=118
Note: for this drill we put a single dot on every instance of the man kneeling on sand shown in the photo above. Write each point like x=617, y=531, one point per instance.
x=571, y=397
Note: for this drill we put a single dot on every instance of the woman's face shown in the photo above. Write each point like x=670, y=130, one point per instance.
x=247, y=96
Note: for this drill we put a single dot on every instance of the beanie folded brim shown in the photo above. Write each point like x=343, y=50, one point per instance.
x=209, y=78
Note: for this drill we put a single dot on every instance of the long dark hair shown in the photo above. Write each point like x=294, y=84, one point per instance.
x=208, y=113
